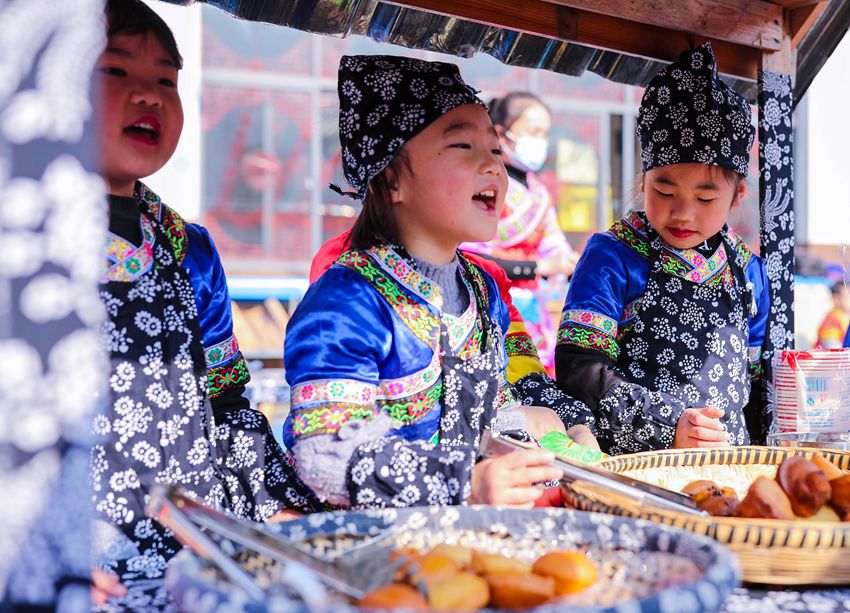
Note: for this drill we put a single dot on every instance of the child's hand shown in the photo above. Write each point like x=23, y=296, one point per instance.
x=540, y=420
x=701, y=428
x=582, y=435
x=509, y=479
x=104, y=586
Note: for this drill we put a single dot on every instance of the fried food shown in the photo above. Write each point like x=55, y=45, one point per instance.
x=571, y=570
x=519, y=591
x=831, y=470
x=840, y=496
x=806, y=485
x=453, y=584
x=460, y=554
x=719, y=501
x=463, y=591
x=765, y=499
x=484, y=563
x=432, y=568
x=701, y=488
x=395, y=596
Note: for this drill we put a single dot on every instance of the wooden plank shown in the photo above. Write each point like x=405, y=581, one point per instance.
x=594, y=30
x=800, y=20
x=794, y=4
x=753, y=23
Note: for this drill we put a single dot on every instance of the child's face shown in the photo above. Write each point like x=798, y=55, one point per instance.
x=141, y=116
x=687, y=203
x=456, y=186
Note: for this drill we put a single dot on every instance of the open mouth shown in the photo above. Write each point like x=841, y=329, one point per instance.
x=487, y=199
x=145, y=130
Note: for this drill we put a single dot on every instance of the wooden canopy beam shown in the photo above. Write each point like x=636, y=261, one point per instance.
x=800, y=20
x=794, y=4
x=752, y=23
x=544, y=18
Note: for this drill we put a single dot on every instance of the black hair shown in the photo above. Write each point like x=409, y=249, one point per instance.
x=506, y=110
x=133, y=17
x=732, y=177
x=376, y=225
x=836, y=288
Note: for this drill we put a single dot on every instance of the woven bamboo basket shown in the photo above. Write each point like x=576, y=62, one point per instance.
x=773, y=552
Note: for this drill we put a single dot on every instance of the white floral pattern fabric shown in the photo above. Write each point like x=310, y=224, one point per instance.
x=159, y=424
x=688, y=348
x=391, y=472
x=52, y=213
x=776, y=206
x=385, y=101
x=688, y=114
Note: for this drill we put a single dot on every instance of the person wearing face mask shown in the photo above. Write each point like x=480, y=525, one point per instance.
x=529, y=244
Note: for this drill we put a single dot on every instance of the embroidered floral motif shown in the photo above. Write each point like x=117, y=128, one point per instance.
x=124, y=261
x=411, y=408
x=327, y=418
x=332, y=391
x=589, y=319
x=688, y=264
x=414, y=314
x=172, y=223
x=629, y=231
x=462, y=330
x=630, y=311
x=472, y=344
x=520, y=344
x=222, y=352
x=526, y=214
x=405, y=274
x=228, y=376
x=588, y=338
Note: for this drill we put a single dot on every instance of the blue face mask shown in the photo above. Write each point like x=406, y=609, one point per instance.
x=529, y=152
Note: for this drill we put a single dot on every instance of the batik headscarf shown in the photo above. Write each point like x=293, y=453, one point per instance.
x=688, y=114
x=384, y=101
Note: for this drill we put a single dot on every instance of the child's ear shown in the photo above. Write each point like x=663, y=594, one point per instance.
x=393, y=185
x=740, y=192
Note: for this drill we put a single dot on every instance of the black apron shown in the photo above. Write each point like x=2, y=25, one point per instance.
x=470, y=386
x=392, y=472
x=690, y=340
x=158, y=428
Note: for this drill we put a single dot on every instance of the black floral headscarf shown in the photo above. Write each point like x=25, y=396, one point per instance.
x=386, y=100
x=688, y=114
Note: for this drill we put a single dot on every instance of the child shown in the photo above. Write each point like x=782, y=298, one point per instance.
x=396, y=354
x=529, y=243
x=532, y=385
x=833, y=328
x=668, y=309
x=176, y=411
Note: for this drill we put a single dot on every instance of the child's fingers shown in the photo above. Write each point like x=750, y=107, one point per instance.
x=105, y=586
x=526, y=457
x=712, y=412
x=520, y=495
x=536, y=474
x=701, y=421
x=709, y=435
